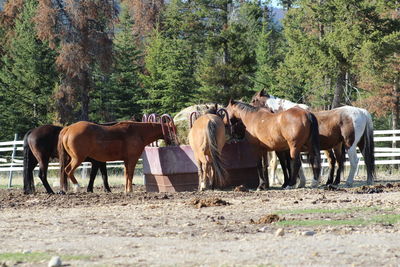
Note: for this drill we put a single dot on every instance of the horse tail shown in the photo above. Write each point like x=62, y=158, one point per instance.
x=219, y=169
x=29, y=185
x=369, y=146
x=314, y=140
x=63, y=159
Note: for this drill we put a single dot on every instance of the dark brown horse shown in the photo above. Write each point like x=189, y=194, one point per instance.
x=340, y=128
x=122, y=141
x=295, y=130
x=40, y=145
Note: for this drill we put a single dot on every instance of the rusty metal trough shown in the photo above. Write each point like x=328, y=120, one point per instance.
x=174, y=168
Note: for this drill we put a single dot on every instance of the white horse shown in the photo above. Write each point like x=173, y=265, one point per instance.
x=363, y=135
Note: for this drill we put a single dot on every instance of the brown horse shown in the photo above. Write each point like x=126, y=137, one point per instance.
x=295, y=130
x=40, y=145
x=207, y=138
x=122, y=141
x=341, y=128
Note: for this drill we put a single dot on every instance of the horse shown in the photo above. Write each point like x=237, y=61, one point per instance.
x=207, y=138
x=295, y=130
x=341, y=129
x=122, y=141
x=40, y=145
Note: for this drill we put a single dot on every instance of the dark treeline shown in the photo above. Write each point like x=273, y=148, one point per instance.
x=102, y=60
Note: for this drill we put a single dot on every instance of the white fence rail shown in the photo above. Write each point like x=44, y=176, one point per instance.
x=11, y=155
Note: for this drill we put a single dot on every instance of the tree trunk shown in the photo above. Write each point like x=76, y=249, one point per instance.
x=339, y=88
x=85, y=96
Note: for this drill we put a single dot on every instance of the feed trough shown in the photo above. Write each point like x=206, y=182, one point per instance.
x=174, y=169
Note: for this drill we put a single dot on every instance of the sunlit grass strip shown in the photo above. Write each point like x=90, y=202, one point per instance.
x=37, y=257
x=312, y=211
x=384, y=219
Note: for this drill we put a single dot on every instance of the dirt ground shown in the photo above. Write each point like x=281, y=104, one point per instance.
x=356, y=226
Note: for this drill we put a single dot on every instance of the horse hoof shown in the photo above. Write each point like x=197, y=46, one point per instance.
x=76, y=188
x=61, y=192
x=314, y=184
x=349, y=184
x=288, y=187
x=301, y=185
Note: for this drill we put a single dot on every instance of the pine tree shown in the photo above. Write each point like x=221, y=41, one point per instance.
x=118, y=94
x=27, y=77
x=323, y=39
x=169, y=80
x=171, y=59
x=229, y=60
x=269, y=54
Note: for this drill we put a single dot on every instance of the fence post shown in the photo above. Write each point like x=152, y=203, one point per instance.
x=12, y=161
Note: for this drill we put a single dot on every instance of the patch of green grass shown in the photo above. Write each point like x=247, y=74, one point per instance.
x=321, y=222
x=309, y=211
x=384, y=219
x=37, y=257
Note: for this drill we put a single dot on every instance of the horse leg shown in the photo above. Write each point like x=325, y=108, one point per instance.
x=104, y=176
x=29, y=185
x=263, y=182
x=93, y=173
x=295, y=165
x=265, y=167
x=302, y=177
x=282, y=155
x=340, y=158
x=331, y=160
x=353, y=158
x=208, y=174
x=70, y=169
x=43, y=166
x=273, y=164
x=200, y=171
x=129, y=171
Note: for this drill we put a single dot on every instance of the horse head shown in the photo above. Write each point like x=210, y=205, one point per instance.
x=260, y=98
x=169, y=130
x=233, y=113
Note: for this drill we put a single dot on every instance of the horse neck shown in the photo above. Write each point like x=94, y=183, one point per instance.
x=246, y=117
x=151, y=132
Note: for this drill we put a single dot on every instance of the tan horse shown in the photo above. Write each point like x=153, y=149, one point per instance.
x=207, y=138
x=122, y=141
x=295, y=130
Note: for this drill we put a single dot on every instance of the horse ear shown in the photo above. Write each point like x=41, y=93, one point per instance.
x=207, y=107
x=216, y=106
x=262, y=93
x=231, y=101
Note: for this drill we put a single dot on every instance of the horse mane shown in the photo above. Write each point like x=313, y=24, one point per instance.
x=246, y=107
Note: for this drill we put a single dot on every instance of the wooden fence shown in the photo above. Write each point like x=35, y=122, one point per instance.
x=11, y=158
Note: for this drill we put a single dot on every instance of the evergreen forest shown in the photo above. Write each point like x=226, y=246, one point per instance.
x=62, y=61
